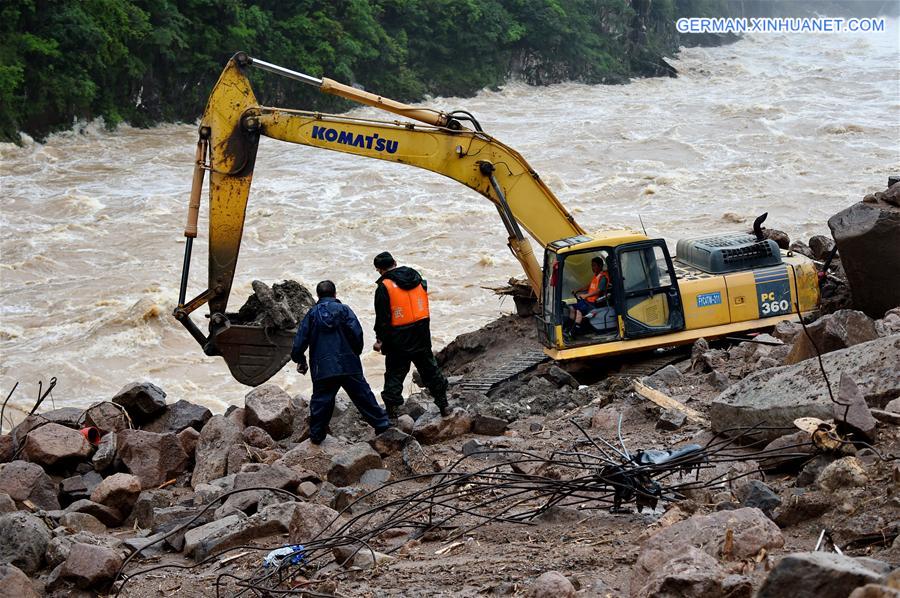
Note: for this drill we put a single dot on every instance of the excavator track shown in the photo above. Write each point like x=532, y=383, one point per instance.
x=648, y=366
x=512, y=369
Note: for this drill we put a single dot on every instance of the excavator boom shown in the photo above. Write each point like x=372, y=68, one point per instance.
x=229, y=137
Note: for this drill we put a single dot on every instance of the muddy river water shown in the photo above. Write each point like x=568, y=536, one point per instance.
x=799, y=125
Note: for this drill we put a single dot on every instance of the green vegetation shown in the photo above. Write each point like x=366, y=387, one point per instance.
x=149, y=61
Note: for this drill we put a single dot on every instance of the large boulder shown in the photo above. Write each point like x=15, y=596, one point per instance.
x=142, y=400
x=817, y=575
x=27, y=481
x=271, y=520
x=844, y=328
x=179, y=416
x=106, y=416
x=54, y=445
x=751, y=529
x=866, y=234
x=777, y=396
x=216, y=439
x=154, y=458
x=269, y=407
x=23, y=541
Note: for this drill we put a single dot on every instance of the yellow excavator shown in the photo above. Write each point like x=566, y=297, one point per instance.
x=717, y=285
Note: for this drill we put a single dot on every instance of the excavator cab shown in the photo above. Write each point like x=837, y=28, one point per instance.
x=643, y=299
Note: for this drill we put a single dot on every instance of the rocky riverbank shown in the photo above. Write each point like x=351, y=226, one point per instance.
x=510, y=494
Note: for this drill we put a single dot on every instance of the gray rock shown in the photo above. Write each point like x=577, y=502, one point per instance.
x=91, y=567
x=390, y=441
x=105, y=455
x=802, y=506
x=15, y=584
x=843, y=473
x=274, y=519
x=670, y=420
x=69, y=417
x=811, y=471
x=142, y=401
x=489, y=425
x=23, y=541
x=308, y=520
x=551, y=584
x=82, y=522
x=844, y=328
x=216, y=439
x=106, y=515
x=415, y=459
x=665, y=378
x=872, y=264
x=348, y=466
x=752, y=531
x=54, y=445
x=816, y=575
x=375, y=478
x=779, y=395
x=406, y=423
x=147, y=502
x=269, y=407
x=7, y=504
x=27, y=481
x=853, y=412
x=306, y=489
x=690, y=574
x=179, y=416
x=821, y=246
x=788, y=451
x=345, y=497
x=154, y=458
x=74, y=488
x=757, y=494
x=193, y=538
x=432, y=428
x=59, y=547
x=257, y=437
x=561, y=377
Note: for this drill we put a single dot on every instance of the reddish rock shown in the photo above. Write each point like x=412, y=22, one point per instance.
x=844, y=328
x=106, y=515
x=390, y=441
x=27, y=481
x=154, y=458
x=853, y=413
x=189, y=437
x=54, y=445
x=269, y=407
x=142, y=400
x=691, y=574
x=106, y=416
x=216, y=439
x=119, y=491
x=82, y=522
x=551, y=584
x=432, y=428
x=15, y=584
x=797, y=508
x=257, y=437
x=751, y=528
x=91, y=567
x=7, y=449
x=817, y=575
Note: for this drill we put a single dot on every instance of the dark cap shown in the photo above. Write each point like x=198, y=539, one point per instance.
x=384, y=260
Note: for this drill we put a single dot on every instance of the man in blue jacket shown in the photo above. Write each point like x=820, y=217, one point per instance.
x=334, y=338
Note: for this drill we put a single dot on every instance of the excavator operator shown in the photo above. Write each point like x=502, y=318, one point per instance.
x=591, y=295
x=403, y=333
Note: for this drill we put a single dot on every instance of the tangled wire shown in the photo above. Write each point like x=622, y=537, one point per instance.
x=509, y=486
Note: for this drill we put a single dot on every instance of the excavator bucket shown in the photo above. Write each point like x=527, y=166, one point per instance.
x=253, y=353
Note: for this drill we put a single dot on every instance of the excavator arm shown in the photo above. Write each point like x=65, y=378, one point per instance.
x=229, y=137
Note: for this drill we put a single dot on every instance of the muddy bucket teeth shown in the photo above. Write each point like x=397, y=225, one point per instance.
x=253, y=353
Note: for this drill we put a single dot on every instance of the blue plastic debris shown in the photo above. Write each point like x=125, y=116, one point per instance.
x=294, y=554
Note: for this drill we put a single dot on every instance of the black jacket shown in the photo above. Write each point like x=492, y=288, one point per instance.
x=411, y=338
x=334, y=337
